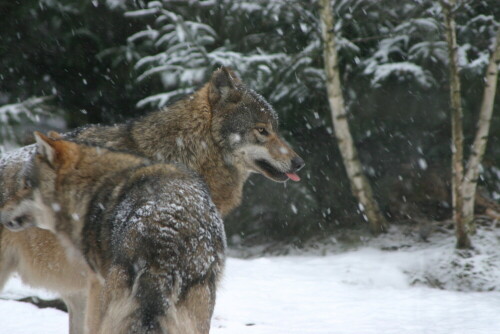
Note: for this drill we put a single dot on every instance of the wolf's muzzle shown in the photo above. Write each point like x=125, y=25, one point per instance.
x=297, y=163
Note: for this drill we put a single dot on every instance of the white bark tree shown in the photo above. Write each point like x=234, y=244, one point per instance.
x=481, y=138
x=359, y=183
x=464, y=183
x=457, y=168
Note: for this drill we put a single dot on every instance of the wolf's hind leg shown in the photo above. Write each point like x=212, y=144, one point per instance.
x=193, y=312
x=93, y=314
x=121, y=307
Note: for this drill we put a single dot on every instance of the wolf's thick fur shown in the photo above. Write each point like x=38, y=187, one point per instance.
x=148, y=230
x=224, y=132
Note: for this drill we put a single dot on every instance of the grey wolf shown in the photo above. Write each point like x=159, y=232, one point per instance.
x=149, y=231
x=224, y=131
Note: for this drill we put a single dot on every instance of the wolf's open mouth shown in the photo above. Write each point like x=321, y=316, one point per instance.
x=271, y=172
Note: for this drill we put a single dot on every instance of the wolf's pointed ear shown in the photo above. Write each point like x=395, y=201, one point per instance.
x=54, y=135
x=44, y=147
x=56, y=152
x=223, y=85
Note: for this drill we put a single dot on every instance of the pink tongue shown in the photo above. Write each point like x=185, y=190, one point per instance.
x=293, y=177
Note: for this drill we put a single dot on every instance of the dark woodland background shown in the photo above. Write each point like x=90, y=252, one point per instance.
x=107, y=61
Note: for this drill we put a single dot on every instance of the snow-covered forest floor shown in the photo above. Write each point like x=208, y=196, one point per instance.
x=427, y=253
x=395, y=283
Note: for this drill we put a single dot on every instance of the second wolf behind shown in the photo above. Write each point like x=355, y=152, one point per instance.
x=149, y=231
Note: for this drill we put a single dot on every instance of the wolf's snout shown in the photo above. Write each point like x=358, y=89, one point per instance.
x=297, y=163
x=18, y=223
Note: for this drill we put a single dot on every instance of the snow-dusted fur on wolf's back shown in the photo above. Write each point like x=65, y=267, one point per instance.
x=224, y=131
x=149, y=231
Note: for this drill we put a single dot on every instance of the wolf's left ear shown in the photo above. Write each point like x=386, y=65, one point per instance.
x=44, y=147
x=223, y=85
x=56, y=152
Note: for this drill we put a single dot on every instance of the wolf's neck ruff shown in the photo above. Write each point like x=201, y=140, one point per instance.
x=183, y=133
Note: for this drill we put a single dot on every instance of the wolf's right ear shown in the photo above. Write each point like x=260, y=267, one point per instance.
x=223, y=85
x=44, y=147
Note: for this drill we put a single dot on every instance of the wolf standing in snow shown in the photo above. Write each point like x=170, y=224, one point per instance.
x=224, y=131
x=149, y=231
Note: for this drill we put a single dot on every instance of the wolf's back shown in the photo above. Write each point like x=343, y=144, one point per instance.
x=165, y=239
x=171, y=222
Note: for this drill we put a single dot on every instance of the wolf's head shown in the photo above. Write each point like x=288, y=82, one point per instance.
x=246, y=126
x=39, y=203
x=64, y=176
x=52, y=168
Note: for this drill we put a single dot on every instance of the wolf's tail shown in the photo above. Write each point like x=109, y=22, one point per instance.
x=155, y=294
x=142, y=306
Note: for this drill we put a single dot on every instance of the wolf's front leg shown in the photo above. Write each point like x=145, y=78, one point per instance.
x=77, y=304
x=93, y=314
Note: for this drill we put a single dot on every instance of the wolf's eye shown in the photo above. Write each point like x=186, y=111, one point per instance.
x=263, y=131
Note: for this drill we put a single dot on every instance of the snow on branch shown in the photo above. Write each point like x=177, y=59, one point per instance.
x=435, y=51
x=142, y=12
x=148, y=34
x=427, y=24
x=30, y=109
x=18, y=113
x=160, y=100
x=401, y=70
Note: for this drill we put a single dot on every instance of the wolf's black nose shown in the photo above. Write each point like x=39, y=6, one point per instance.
x=297, y=163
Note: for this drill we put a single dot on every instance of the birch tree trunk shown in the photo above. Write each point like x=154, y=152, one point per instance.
x=457, y=168
x=481, y=139
x=359, y=183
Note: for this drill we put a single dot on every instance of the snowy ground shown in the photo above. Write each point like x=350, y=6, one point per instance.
x=362, y=291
